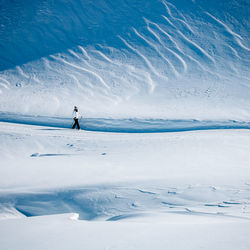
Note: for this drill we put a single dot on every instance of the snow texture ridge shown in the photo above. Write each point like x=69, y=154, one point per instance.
x=126, y=125
x=112, y=203
x=128, y=58
x=162, y=157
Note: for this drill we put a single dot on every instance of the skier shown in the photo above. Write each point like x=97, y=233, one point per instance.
x=76, y=115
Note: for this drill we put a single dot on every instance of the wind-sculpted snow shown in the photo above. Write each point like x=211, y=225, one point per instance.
x=114, y=203
x=166, y=182
x=126, y=125
x=126, y=58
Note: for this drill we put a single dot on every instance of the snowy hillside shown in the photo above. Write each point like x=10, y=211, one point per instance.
x=179, y=59
x=162, y=158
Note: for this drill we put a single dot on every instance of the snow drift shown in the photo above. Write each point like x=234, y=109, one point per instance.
x=132, y=66
x=175, y=59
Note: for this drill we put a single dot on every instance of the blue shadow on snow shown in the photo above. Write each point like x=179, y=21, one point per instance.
x=125, y=125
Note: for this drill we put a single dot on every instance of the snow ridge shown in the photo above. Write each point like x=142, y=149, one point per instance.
x=167, y=54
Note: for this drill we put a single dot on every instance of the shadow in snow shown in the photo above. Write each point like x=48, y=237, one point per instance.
x=125, y=125
x=114, y=203
x=42, y=155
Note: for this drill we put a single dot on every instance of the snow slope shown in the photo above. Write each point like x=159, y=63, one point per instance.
x=155, y=58
x=163, y=159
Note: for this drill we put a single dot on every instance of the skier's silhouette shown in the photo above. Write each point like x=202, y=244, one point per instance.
x=76, y=115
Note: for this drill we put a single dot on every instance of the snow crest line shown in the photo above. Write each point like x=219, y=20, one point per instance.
x=126, y=125
x=88, y=203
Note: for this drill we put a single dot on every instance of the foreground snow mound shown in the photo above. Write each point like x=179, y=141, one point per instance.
x=138, y=58
x=130, y=202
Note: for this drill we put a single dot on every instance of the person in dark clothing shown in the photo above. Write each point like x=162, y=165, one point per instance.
x=76, y=116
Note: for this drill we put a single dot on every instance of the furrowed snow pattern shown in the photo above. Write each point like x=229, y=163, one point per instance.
x=125, y=58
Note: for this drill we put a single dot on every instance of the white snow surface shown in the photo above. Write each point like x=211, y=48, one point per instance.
x=60, y=232
x=162, y=161
x=130, y=190
x=163, y=59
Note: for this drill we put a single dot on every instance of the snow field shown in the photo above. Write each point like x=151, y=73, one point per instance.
x=133, y=190
x=132, y=67
x=107, y=175
x=61, y=232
